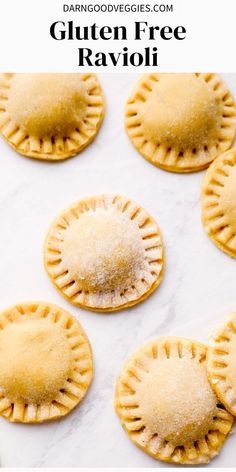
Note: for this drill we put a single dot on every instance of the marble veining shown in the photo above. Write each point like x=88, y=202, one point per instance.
x=198, y=288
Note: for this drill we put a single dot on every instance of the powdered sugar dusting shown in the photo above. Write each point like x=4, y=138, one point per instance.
x=176, y=400
x=104, y=251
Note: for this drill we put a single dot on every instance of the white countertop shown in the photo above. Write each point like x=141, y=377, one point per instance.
x=197, y=291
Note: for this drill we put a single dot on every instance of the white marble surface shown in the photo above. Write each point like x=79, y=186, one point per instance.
x=197, y=291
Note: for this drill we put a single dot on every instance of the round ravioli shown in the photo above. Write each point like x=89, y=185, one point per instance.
x=166, y=404
x=222, y=363
x=50, y=116
x=45, y=363
x=181, y=122
x=219, y=202
x=104, y=253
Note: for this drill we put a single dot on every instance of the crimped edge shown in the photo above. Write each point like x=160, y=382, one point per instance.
x=119, y=202
x=212, y=183
x=78, y=140
x=75, y=387
x=142, y=88
x=175, y=345
x=217, y=362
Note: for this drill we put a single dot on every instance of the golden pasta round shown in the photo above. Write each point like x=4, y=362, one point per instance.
x=219, y=202
x=181, y=122
x=222, y=363
x=166, y=404
x=50, y=116
x=46, y=363
x=104, y=253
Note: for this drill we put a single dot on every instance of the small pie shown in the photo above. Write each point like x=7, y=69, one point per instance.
x=166, y=404
x=104, y=253
x=222, y=363
x=219, y=202
x=45, y=363
x=50, y=116
x=181, y=122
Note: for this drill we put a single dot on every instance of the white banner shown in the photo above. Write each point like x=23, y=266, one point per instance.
x=117, y=35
